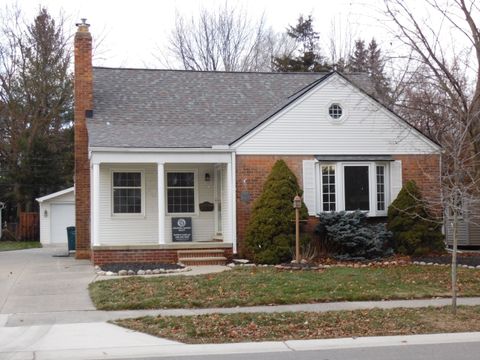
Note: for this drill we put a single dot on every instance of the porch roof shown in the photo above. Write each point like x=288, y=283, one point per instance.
x=181, y=109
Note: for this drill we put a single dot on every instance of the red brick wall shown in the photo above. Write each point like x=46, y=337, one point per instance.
x=252, y=171
x=101, y=257
x=425, y=171
x=83, y=101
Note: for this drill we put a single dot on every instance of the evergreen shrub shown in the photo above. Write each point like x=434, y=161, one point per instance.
x=415, y=231
x=270, y=233
x=351, y=238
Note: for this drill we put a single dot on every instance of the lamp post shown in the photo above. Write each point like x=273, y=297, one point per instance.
x=297, y=204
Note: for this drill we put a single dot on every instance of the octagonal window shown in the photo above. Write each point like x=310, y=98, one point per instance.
x=335, y=111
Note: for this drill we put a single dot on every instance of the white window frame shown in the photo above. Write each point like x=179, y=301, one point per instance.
x=141, y=214
x=195, y=192
x=340, y=185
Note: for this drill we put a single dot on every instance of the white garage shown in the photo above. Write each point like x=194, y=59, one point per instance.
x=57, y=212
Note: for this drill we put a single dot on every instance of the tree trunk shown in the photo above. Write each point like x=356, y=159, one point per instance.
x=454, y=262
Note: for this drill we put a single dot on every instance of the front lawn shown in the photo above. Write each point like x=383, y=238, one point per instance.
x=225, y=328
x=266, y=286
x=19, y=245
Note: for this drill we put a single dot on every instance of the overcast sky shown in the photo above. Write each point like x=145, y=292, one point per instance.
x=132, y=31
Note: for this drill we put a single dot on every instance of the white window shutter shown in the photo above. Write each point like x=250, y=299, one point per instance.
x=309, y=186
x=395, y=179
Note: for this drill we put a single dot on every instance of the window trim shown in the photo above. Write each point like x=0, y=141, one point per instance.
x=195, y=192
x=141, y=214
x=340, y=185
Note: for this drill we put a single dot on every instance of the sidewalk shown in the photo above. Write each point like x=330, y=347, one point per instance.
x=79, y=341
x=89, y=316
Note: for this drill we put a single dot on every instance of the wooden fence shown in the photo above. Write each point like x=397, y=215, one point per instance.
x=28, y=227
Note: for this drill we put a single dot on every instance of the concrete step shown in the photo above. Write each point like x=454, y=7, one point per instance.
x=205, y=260
x=200, y=253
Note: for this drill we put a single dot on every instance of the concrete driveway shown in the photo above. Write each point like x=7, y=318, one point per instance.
x=33, y=281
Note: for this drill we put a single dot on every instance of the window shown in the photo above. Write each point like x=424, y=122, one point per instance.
x=352, y=185
x=356, y=188
x=180, y=192
x=127, y=192
x=380, y=188
x=328, y=188
x=335, y=111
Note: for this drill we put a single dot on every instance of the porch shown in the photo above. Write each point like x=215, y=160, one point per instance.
x=150, y=207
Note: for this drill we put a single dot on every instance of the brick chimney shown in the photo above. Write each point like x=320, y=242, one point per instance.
x=83, y=84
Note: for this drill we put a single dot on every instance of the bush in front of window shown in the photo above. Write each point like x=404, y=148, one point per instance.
x=270, y=232
x=350, y=237
x=415, y=231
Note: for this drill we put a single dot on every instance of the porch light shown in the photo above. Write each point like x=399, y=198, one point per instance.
x=207, y=177
x=45, y=213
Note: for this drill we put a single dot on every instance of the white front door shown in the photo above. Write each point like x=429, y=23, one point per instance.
x=61, y=216
x=218, y=200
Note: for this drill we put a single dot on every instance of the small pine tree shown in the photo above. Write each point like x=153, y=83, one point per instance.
x=270, y=232
x=414, y=230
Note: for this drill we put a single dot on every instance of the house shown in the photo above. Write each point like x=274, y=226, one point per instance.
x=168, y=163
x=56, y=213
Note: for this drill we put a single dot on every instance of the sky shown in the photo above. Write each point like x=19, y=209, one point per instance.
x=132, y=32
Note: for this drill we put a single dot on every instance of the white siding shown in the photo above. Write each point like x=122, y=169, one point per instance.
x=136, y=230
x=305, y=127
x=128, y=229
x=45, y=221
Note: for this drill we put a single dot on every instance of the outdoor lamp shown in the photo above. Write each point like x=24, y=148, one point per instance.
x=297, y=202
x=207, y=177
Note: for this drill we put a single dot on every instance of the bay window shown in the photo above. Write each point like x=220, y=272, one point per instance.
x=350, y=186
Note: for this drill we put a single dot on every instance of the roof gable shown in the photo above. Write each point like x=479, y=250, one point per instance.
x=304, y=126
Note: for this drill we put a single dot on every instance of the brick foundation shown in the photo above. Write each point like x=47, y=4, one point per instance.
x=109, y=256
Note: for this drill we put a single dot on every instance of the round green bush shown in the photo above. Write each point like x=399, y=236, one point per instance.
x=269, y=236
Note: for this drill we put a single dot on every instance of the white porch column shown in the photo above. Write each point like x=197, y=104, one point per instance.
x=95, y=196
x=230, y=208
x=161, y=202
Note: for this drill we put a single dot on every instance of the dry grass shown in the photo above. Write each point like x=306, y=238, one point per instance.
x=264, y=286
x=306, y=325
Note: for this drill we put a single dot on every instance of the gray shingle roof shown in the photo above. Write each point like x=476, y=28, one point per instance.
x=172, y=108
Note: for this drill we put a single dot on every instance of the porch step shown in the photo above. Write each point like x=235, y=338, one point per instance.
x=200, y=253
x=198, y=261
x=202, y=257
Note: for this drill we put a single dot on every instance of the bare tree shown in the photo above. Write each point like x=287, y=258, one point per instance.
x=223, y=39
x=442, y=96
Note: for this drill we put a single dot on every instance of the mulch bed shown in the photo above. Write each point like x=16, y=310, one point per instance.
x=462, y=259
x=139, y=266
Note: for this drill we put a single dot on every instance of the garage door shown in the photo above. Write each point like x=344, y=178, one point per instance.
x=62, y=215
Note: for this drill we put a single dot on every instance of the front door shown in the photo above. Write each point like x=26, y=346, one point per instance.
x=218, y=200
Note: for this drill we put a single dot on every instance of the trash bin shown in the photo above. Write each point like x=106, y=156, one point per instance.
x=71, y=238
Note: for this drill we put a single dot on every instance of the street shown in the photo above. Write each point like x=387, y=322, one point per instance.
x=457, y=351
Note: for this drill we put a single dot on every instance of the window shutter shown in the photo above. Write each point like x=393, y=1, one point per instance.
x=309, y=186
x=396, y=178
